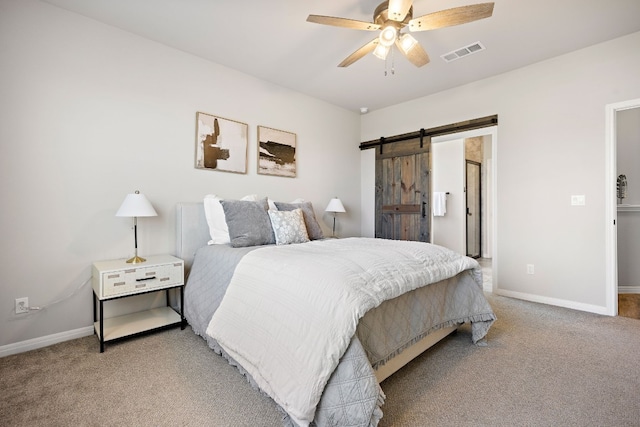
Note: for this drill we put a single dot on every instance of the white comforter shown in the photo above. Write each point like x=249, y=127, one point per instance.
x=290, y=312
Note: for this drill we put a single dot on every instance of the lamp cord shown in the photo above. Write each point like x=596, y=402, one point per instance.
x=59, y=300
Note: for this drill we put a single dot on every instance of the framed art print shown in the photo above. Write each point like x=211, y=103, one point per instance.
x=276, y=152
x=221, y=144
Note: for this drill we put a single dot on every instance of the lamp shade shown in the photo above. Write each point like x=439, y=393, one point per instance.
x=335, y=205
x=381, y=51
x=407, y=42
x=135, y=205
x=388, y=35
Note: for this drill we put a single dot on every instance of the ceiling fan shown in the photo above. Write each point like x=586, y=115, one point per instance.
x=391, y=17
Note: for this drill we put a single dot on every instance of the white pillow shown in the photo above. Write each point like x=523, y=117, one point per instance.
x=288, y=227
x=216, y=220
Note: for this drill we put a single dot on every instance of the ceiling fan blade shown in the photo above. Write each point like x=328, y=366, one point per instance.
x=343, y=22
x=364, y=50
x=416, y=54
x=398, y=9
x=451, y=17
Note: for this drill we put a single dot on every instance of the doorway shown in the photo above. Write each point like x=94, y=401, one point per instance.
x=618, y=212
x=451, y=229
x=623, y=209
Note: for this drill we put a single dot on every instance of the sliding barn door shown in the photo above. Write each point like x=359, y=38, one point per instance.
x=402, y=191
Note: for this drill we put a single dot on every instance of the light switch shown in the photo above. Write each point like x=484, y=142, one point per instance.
x=578, y=200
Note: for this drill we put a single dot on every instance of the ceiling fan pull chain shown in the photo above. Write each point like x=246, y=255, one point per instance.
x=393, y=62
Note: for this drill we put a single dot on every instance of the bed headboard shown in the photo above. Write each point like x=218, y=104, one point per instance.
x=192, y=231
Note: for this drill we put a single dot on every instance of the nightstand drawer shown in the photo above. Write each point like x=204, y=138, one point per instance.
x=140, y=279
x=116, y=278
x=115, y=283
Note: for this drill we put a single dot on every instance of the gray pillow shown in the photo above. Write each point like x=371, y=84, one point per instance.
x=313, y=228
x=248, y=222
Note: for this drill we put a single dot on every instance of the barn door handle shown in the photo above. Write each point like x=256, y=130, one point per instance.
x=424, y=209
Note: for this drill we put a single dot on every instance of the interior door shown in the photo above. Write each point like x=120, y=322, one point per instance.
x=473, y=208
x=402, y=192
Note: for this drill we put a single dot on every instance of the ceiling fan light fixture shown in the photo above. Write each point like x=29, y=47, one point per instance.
x=388, y=35
x=407, y=42
x=381, y=51
x=391, y=17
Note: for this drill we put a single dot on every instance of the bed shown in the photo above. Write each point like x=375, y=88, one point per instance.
x=389, y=333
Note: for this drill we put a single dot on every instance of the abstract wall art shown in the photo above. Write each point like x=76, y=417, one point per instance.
x=276, y=152
x=221, y=144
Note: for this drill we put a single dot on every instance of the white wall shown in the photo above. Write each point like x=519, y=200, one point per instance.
x=628, y=234
x=90, y=113
x=368, y=193
x=552, y=132
x=447, y=175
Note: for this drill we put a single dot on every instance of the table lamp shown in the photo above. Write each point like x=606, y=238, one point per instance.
x=335, y=205
x=136, y=205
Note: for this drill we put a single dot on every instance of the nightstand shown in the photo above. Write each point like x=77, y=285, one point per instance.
x=115, y=279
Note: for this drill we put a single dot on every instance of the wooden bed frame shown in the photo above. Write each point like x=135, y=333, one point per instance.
x=192, y=233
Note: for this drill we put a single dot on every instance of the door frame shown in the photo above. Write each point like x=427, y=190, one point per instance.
x=479, y=213
x=493, y=132
x=611, y=204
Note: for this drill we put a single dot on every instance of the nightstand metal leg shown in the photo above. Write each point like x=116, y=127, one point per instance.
x=183, y=322
x=101, y=327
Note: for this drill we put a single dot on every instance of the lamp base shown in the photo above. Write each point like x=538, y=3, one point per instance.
x=334, y=226
x=135, y=260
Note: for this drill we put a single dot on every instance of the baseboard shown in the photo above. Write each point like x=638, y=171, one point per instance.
x=35, y=343
x=554, y=301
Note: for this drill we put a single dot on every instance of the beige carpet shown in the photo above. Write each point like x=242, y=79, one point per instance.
x=543, y=366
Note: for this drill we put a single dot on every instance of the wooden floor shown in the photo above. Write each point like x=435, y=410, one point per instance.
x=629, y=305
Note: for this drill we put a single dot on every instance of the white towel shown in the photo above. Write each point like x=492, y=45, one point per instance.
x=439, y=203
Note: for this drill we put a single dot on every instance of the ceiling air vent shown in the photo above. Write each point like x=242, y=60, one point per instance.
x=464, y=51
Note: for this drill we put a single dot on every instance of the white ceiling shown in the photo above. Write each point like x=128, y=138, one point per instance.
x=271, y=40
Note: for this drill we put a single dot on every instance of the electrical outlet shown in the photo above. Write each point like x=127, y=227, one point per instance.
x=578, y=200
x=529, y=268
x=22, y=305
